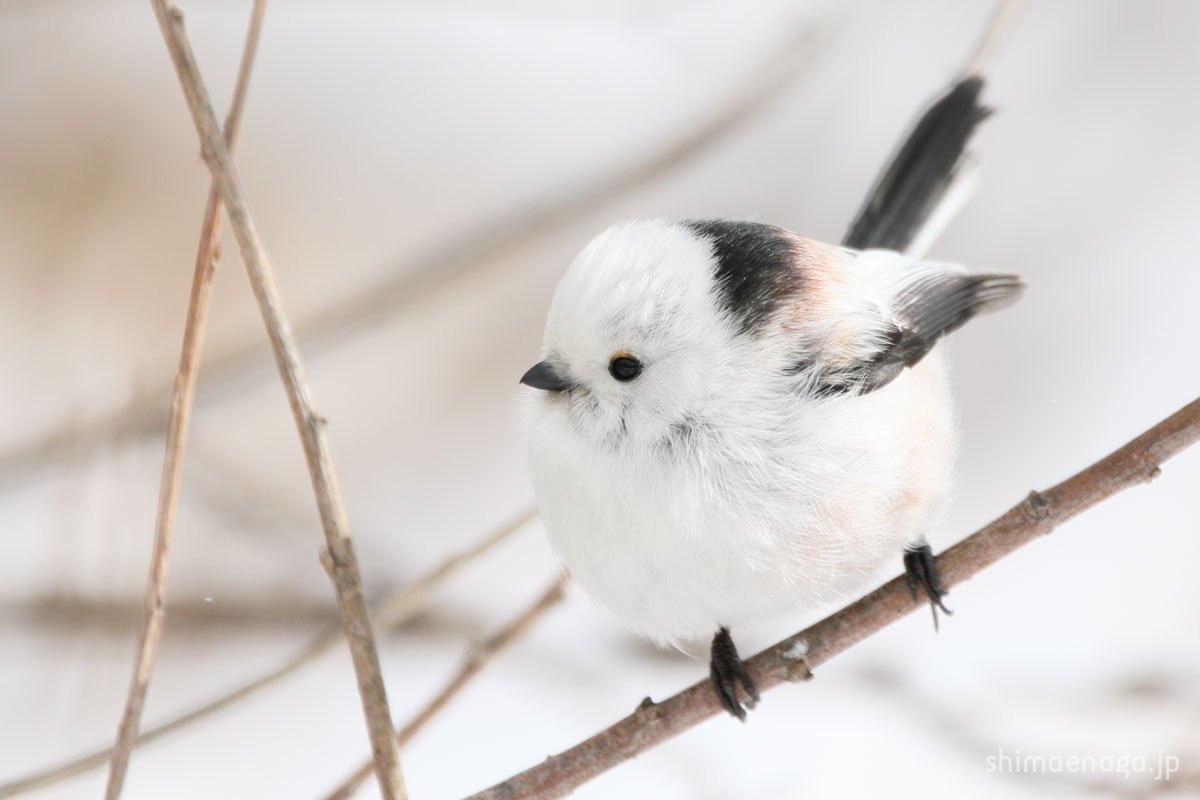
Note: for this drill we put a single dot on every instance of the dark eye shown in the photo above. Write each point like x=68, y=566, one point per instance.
x=624, y=368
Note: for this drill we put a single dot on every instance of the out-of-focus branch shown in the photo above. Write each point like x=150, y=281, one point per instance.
x=338, y=556
x=477, y=658
x=60, y=614
x=182, y=397
x=394, y=611
x=1040, y=513
x=225, y=372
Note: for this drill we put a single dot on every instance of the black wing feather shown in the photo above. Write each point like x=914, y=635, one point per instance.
x=929, y=308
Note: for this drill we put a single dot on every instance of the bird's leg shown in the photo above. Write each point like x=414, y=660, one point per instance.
x=920, y=566
x=727, y=671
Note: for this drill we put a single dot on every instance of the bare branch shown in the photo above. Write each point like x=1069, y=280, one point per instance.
x=1040, y=513
x=477, y=658
x=394, y=611
x=408, y=283
x=177, y=434
x=338, y=556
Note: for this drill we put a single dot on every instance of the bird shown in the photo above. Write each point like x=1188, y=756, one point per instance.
x=731, y=423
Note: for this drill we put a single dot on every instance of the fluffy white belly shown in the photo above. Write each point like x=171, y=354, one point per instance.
x=680, y=544
x=671, y=588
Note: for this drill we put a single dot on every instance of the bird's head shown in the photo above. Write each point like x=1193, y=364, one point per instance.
x=634, y=339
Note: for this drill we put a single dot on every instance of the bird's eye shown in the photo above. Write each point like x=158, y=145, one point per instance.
x=624, y=368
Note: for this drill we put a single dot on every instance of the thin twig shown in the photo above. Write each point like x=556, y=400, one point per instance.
x=177, y=433
x=338, y=556
x=406, y=284
x=1040, y=513
x=477, y=658
x=394, y=611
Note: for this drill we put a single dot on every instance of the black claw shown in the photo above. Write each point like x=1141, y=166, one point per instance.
x=920, y=566
x=727, y=671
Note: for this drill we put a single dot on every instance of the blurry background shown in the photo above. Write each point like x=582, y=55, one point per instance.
x=473, y=148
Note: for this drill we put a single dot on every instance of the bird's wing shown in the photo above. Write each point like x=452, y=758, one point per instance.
x=894, y=309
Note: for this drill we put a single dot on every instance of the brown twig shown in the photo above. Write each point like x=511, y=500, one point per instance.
x=338, y=556
x=177, y=433
x=477, y=658
x=1038, y=514
x=407, y=283
x=394, y=611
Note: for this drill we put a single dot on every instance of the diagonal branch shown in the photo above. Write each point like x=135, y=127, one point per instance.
x=338, y=556
x=1038, y=514
x=394, y=611
x=177, y=434
x=477, y=658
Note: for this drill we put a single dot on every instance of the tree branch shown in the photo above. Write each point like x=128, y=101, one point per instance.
x=182, y=397
x=1136, y=463
x=477, y=658
x=338, y=556
x=394, y=611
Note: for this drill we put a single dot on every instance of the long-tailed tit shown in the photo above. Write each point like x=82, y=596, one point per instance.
x=734, y=422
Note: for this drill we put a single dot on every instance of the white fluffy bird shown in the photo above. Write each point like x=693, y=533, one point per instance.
x=734, y=423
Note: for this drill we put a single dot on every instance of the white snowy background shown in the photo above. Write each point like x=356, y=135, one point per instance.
x=378, y=135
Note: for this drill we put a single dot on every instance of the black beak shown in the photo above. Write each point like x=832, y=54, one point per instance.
x=542, y=375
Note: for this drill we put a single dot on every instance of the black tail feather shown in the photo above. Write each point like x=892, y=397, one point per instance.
x=920, y=172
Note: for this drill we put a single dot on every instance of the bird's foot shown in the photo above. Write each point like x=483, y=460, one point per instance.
x=727, y=671
x=920, y=567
